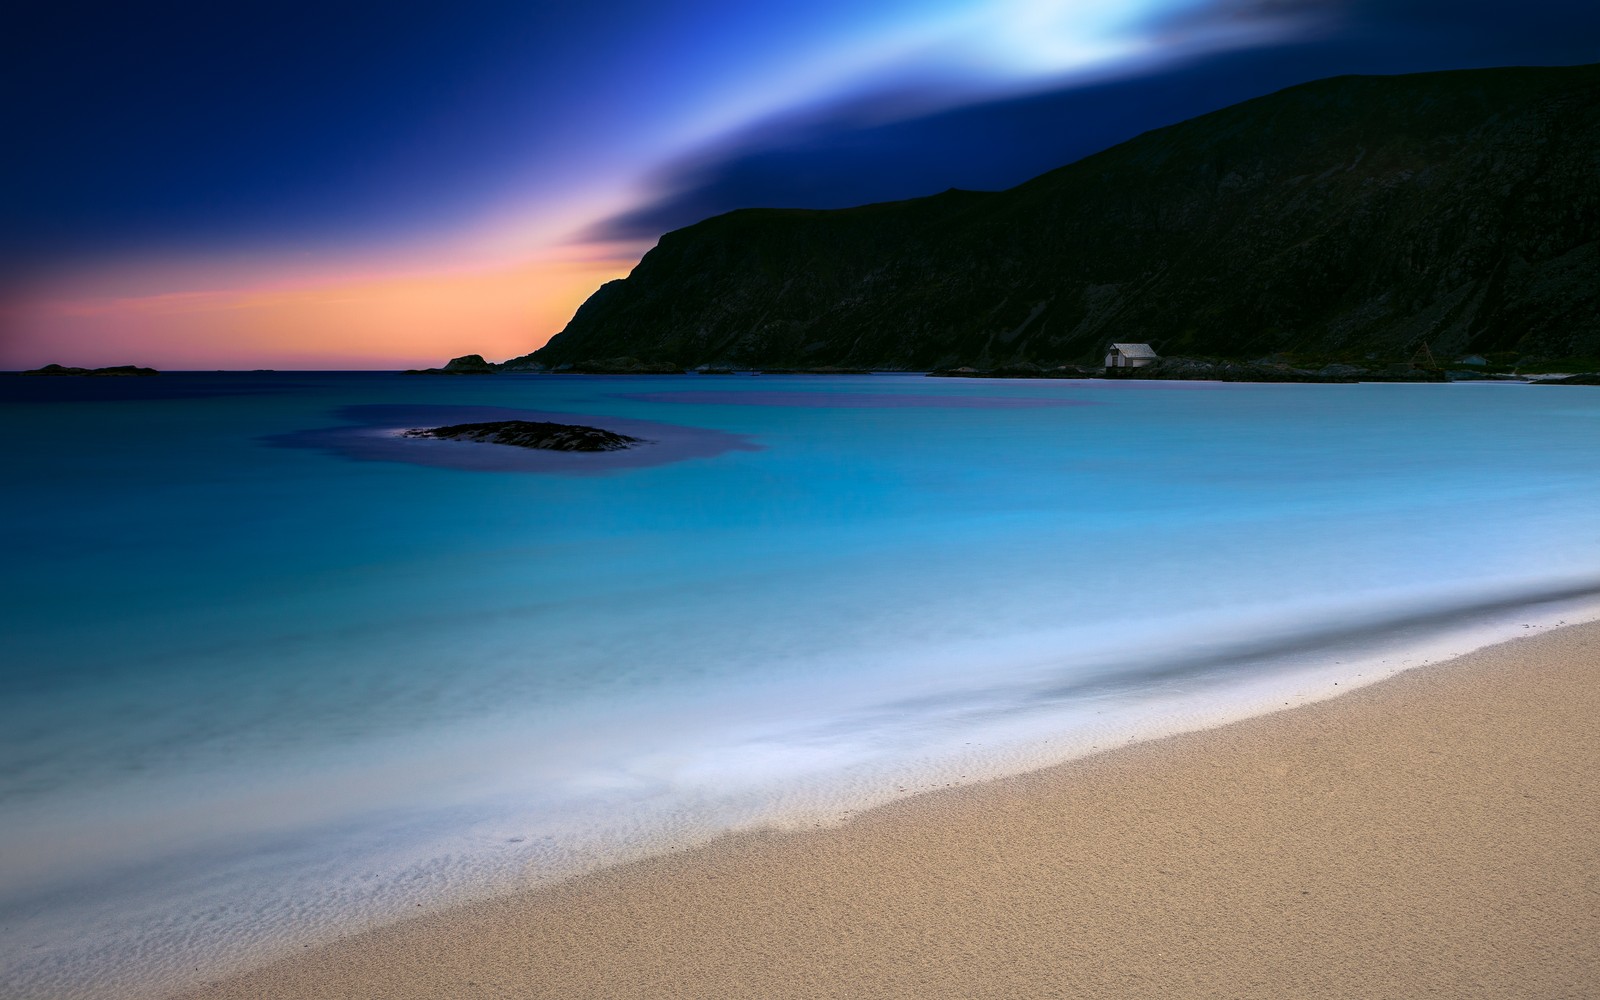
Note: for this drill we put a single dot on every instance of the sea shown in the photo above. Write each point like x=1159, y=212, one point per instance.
x=272, y=673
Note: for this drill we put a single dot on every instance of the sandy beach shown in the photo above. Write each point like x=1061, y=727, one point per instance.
x=1436, y=834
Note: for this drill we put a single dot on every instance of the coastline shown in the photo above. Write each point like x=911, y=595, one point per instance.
x=1428, y=834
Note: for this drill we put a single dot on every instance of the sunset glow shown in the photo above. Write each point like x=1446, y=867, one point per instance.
x=186, y=201
x=400, y=320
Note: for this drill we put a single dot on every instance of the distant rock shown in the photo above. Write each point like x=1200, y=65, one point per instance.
x=819, y=370
x=1023, y=369
x=1402, y=373
x=531, y=434
x=624, y=366
x=114, y=371
x=467, y=364
x=1588, y=378
x=1212, y=370
x=1198, y=369
x=523, y=364
x=1018, y=371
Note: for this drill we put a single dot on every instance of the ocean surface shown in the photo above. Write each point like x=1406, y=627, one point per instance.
x=270, y=673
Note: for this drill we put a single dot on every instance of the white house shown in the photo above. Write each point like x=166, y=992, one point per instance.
x=1130, y=356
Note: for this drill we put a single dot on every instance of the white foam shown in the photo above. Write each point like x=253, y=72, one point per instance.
x=279, y=891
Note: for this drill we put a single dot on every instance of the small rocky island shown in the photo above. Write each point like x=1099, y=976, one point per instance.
x=531, y=434
x=467, y=364
x=115, y=370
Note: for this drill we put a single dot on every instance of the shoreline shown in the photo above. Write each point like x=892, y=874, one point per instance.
x=1429, y=833
x=332, y=893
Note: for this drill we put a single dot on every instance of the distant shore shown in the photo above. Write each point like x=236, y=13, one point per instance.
x=1430, y=835
x=1269, y=370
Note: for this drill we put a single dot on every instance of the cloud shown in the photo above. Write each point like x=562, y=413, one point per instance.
x=883, y=144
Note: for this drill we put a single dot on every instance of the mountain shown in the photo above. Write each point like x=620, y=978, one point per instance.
x=1350, y=217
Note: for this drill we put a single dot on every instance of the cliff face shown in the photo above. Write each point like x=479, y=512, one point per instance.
x=1347, y=216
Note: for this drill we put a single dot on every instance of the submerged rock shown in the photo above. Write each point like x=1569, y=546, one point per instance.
x=531, y=434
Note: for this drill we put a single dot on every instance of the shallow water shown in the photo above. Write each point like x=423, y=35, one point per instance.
x=269, y=674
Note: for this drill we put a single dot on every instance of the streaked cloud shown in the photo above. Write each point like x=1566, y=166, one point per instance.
x=461, y=181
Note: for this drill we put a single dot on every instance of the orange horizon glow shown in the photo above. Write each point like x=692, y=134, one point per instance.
x=372, y=318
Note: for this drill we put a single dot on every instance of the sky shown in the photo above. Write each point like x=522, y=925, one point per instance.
x=347, y=185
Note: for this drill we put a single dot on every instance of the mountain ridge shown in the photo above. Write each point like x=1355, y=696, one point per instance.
x=1351, y=216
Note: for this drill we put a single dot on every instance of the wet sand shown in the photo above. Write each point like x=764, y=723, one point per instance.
x=1433, y=835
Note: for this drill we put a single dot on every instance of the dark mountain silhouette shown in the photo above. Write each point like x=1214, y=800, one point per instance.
x=1350, y=217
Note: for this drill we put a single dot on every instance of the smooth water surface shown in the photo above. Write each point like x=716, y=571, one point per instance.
x=268, y=675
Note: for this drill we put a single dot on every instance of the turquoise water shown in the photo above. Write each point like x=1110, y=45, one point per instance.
x=269, y=673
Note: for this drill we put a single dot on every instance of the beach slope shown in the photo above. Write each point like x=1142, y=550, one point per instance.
x=1431, y=835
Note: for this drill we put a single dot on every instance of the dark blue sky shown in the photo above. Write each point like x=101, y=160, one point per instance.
x=834, y=160
x=339, y=133
x=188, y=122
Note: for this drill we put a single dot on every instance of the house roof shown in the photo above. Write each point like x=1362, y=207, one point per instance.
x=1135, y=350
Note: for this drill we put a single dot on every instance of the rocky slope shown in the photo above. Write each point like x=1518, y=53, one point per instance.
x=1342, y=219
